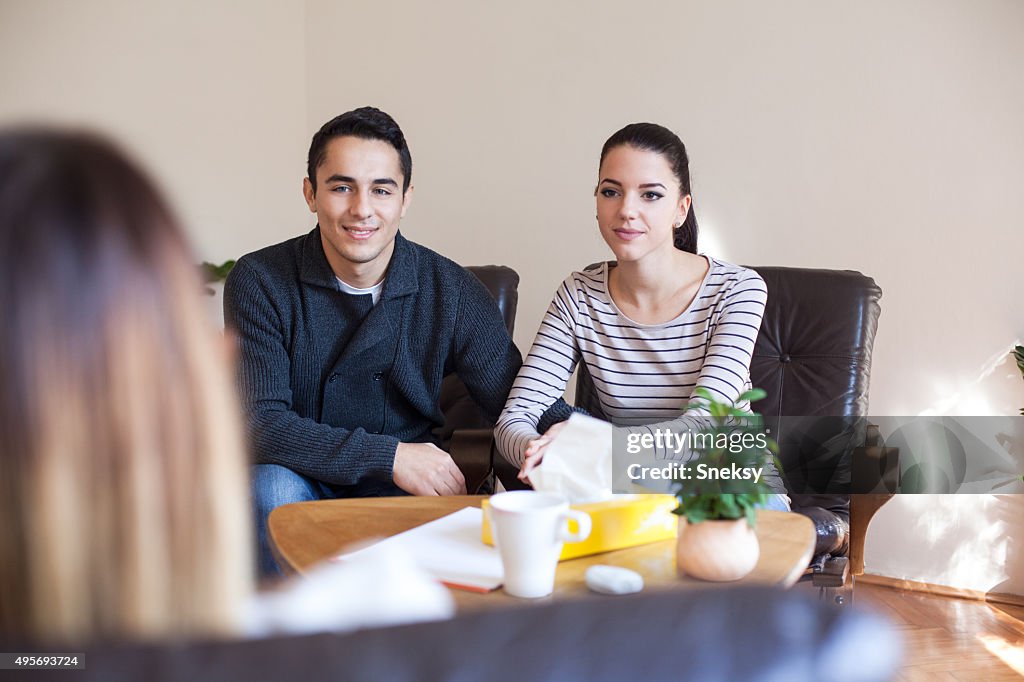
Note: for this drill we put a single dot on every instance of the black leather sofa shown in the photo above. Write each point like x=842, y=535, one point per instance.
x=750, y=634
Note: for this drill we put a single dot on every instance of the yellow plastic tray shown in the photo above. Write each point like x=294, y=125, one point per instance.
x=625, y=521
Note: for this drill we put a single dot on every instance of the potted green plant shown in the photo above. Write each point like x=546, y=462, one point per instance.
x=212, y=273
x=718, y=511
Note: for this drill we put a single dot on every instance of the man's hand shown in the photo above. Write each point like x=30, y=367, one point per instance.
x=425, y=469
x=535, y=451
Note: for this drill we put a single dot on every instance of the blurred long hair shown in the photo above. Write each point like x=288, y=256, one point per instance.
x=123, y=481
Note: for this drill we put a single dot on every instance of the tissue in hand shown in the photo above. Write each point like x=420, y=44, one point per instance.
x=578, y=463
x=578, y=466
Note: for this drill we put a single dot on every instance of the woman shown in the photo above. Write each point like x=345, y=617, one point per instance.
x=122, y=480
x=650, y=327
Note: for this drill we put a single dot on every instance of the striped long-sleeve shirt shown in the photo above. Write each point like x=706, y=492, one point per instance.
x=644, y=374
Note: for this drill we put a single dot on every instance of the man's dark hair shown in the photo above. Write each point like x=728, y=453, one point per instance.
x=368, y=123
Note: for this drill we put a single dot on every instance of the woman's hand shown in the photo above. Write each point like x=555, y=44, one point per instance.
x=535, y=451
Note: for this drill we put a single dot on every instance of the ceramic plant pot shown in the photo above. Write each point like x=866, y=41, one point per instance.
x=716, y=550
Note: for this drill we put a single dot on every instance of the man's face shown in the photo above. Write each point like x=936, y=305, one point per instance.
x=359, y=204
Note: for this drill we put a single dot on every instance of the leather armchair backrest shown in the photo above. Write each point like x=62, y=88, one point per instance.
x=813, y=353
x=813, y=357
x=503, y=283
x=460, y=412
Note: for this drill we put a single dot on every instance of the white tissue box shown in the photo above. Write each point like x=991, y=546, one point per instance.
x=624, y=521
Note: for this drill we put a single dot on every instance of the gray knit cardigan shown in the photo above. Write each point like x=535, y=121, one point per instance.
x=332, y=402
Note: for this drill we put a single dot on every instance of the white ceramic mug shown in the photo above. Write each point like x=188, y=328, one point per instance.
x=529, y=529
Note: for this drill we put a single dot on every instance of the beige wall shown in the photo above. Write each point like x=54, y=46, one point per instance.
x=868, y=136
x=209, y=94
x=882, y=137
x=865, y=136
x=974, y=542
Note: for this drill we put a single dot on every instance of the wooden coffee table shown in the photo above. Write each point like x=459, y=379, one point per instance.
x=306, y=533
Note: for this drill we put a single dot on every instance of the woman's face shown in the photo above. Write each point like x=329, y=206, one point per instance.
x=638, y=202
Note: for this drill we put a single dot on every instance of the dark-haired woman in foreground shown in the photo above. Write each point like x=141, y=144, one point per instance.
x=653, y=325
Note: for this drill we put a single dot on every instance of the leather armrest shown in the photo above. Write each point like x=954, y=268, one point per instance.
x=831, y=531
x=474, y=453
x=471, y=450
x=505, y=472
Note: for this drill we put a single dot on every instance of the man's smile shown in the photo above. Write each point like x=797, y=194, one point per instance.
x=359, y=231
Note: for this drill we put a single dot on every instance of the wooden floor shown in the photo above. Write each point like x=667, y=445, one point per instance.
x=951, y=639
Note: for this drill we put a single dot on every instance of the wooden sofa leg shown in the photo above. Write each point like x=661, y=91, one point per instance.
x=862, y=508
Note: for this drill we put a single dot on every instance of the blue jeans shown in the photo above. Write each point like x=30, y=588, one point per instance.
x=776, y=503
x=274, y=485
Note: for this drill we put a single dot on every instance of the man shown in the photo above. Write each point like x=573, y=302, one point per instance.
x=346, y=333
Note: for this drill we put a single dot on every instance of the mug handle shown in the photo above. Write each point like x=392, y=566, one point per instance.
x=582, y=520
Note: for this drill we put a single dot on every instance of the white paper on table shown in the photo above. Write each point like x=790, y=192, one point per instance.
x=377, y=590
x=577, y=464
x=450, y=549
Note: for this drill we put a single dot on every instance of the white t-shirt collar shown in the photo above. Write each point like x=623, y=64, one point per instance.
x=373, y=291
